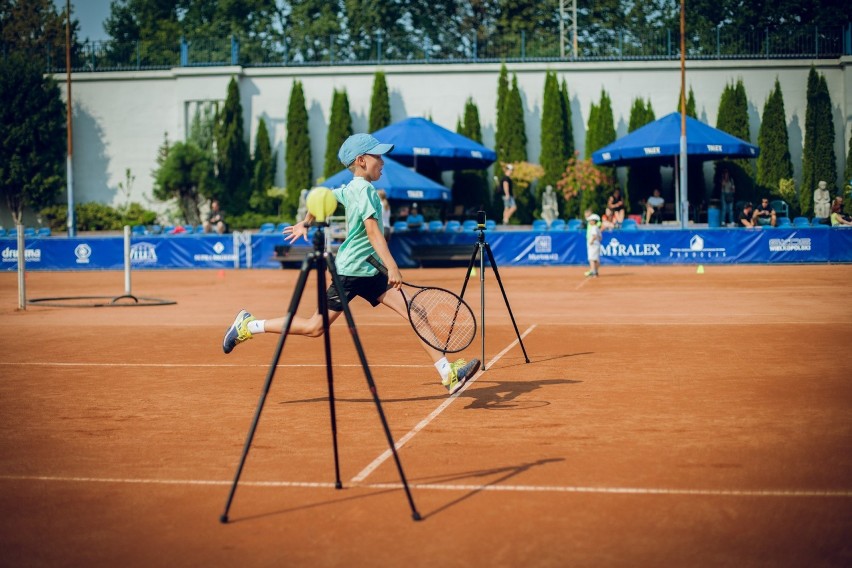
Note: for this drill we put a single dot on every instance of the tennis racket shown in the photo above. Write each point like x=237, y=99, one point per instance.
x=440, y=318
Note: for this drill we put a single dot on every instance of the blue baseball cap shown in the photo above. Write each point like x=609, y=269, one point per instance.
x=360, y=144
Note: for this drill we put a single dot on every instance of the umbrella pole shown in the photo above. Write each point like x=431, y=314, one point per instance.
x=684, y=203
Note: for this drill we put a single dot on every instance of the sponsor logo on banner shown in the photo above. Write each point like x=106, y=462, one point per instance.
x=143, y=253
x=616, y=248
x=540, y=250
x=83, y=252
x=10, y=254
x=218, y=249
x=698, y=250
x=790, y=244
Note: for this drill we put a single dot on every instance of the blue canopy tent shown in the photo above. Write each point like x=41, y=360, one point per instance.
x=398, y=182
x=423, y=145
x=660, y=141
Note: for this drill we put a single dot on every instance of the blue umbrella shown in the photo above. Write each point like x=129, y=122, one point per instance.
x=424, y=145
x=661, y=139
x=398, y=182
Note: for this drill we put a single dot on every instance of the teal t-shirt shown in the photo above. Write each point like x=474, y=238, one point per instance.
x=362, y=202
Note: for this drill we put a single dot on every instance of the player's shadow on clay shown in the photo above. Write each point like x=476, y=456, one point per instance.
x=506, y=395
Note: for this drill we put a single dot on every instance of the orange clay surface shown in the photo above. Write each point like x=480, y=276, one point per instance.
x=665, y=418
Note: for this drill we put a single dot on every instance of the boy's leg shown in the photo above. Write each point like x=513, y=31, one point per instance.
x=245, y=326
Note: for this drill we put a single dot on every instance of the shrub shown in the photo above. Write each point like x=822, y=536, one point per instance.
x=98, y=216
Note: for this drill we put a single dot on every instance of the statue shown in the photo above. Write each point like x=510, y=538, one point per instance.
x=549, y=208
x=822, y=201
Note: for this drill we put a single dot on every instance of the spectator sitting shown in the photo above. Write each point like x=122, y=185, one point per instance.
x=615, y=205
x=607, y=221
x=746, y=216
x=838, y=218
x=215, y=219
x=415, y=219
x=654, y=208
x=764, y=214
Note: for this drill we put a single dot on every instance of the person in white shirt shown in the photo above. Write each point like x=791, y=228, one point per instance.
x=654, y=208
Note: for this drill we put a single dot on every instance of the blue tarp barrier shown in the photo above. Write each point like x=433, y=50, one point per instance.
x=520, y=248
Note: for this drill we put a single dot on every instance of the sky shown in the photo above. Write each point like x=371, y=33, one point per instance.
x=91, y=14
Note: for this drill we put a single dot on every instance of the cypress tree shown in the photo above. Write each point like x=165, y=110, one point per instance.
x=733, y=119
x=516, y=135
x=774, y=163
x=500, y=129
x=339, y=129
x=601, y=131
x=568, y=127
x=470, y=187
x=690, y=104
x=819, y=162
x=379, y=103
x=298, y=173
x=553, y=158
x=591, y=131
x=233, y=158
x=263, y=175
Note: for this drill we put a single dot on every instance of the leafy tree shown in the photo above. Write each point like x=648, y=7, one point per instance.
x=774, y=163
x=516, y=135
x=186, y=176
x=232, y=155
x=501, y=129
x=819, y=162
x=470, y=187
x=339, y=129
x=298, y=174
x=35, y=28
x=32, y=144
x=581, y=184
x=263, y=175
x=733, y=119
x=379, y=103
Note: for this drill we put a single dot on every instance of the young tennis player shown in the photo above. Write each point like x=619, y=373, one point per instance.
x=362, y=154
x=593, y=244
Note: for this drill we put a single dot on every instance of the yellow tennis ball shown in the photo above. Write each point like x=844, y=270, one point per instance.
x=321, y=203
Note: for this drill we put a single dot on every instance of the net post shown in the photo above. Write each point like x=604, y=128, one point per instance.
x=22, y=254
x=127, y=260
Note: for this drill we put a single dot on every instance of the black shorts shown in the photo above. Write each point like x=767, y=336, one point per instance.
x=371, y=288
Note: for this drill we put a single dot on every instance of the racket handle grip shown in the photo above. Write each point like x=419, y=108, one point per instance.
x=381, y=267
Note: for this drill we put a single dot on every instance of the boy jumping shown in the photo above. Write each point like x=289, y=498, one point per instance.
x=362, y=154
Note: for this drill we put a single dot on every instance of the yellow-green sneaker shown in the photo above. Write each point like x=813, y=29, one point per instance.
x=238, y=332
x=460, y=372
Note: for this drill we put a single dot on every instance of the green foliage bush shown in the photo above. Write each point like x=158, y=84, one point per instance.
x=98, y=217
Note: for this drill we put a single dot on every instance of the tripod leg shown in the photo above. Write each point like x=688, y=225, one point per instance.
x=294, y=304
x=322, y=302
x=505, y=299
x=371, y=384
x=469, y=269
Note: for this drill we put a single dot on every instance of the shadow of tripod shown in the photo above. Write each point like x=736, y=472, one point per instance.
x=481, y=248
x=322, y=261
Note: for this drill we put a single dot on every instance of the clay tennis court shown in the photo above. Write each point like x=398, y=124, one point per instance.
x=666, y=418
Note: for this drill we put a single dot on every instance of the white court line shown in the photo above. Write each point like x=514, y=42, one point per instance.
x=434, y=414
x=185, y=365
x=456, y=487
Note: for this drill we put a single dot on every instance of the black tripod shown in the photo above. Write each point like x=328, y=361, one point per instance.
x=480, y=248
x=322, y=260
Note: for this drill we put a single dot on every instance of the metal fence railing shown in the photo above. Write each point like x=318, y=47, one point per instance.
x=617, y=45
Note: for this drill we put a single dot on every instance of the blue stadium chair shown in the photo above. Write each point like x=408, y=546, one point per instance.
x=138, y=230
x=43, y=232
x=820, y=226
x=630, y=225
x=453, y=226
x=558, y=225
x=574, y=225
x=12, y=233
x=29, y=232
x=820, y=221
x=267, y=228
x=490, y=224
x=281, y=226
x=155, y=229
x=199, y=229
x=539, y=225
x=189, y=229
x=168, y=229
x=781, y=209
x=801, y=222
x=784, y=222
x=436, y=226
x=2, y=232
x=469, y=225
x=400, y=227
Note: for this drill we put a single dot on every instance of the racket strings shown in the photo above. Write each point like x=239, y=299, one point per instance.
x=442, y=319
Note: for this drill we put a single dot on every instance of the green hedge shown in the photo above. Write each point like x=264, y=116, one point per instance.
x=98, y=217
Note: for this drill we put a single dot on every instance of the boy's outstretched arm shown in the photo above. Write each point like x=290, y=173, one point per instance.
x=380, y=245
x=300, y=229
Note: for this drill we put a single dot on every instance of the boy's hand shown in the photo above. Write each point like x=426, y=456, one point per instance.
x=395, y=277
x=293, y=232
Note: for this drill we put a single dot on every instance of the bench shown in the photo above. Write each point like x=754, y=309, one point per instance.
x=442, y=255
